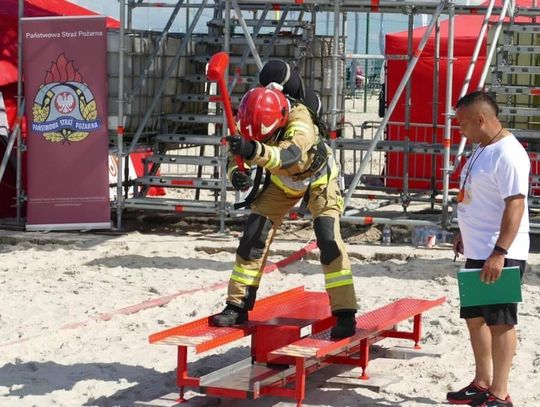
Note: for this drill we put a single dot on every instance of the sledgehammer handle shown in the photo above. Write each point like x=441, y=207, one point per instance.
x=217, y=66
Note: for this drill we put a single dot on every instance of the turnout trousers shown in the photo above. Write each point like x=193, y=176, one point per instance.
x=268, y=210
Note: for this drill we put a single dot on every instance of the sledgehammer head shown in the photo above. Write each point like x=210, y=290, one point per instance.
x=217, y=66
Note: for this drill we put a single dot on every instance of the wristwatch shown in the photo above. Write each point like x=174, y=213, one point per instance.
x=499, y=249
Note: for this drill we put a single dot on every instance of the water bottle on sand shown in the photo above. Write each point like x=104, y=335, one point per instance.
x=386, y=235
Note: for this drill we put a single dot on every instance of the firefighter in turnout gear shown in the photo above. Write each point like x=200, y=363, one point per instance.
x=281, y=137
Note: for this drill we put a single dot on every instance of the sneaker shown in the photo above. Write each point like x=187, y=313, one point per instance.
x=468, y=395
x=493, y=401
x=231, y=315
x=345, y=325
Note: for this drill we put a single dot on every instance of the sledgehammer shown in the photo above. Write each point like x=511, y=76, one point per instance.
x=217, y=66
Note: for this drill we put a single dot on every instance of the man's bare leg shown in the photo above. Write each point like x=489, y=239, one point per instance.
x=480, y=335
x=503, y=348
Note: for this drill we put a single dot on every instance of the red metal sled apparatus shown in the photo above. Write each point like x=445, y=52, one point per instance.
x=290, y=338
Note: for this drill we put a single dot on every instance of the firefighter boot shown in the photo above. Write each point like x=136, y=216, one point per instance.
x=231, y=315
x=345, y=325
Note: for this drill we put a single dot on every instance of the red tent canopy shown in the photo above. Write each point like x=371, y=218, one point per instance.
x=32, y=8
x=466, y=34
x=467, y=29
x=423, y=100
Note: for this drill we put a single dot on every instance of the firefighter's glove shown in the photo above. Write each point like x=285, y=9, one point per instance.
x=242, y=147
x=241, y=181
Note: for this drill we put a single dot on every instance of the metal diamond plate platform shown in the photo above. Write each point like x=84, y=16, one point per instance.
x=294, y=307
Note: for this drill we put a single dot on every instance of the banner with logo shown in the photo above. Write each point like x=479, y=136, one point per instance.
x=65, y=83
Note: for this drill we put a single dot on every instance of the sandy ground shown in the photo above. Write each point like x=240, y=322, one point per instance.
x=65, y=339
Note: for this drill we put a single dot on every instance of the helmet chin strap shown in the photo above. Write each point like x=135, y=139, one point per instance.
x=274, y=137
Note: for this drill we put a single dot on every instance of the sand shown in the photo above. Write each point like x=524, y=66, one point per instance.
x=65, y=339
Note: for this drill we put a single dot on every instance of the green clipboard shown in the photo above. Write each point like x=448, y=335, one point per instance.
x=473, y=291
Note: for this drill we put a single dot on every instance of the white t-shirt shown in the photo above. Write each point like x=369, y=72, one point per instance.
x=490, y=175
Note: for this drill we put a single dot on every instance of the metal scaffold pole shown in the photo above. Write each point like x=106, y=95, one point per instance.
x=223, y=148
x=120, y=131
x=435, y=116
x=405, y=198
x=129, y=18
x=20, y=107
x=335, y=77
x=449, y=110
x=393, y=104
x=366, y=63
x=227, y=33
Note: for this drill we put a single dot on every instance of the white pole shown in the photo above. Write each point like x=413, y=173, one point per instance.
x=493, y=47
x=476, y=52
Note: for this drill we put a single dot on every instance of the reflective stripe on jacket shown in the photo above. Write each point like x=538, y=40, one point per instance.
x=297, y=187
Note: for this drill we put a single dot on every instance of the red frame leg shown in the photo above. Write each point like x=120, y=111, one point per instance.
x=181, y=372
x=364, y=358
x=417, y=330
x=300, y=382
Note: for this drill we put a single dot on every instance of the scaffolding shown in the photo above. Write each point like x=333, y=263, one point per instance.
x=184, y=128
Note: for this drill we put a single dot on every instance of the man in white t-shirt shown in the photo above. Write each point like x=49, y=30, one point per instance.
x=494, y=233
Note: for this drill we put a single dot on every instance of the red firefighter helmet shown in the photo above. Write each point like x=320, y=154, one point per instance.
x=261, y=112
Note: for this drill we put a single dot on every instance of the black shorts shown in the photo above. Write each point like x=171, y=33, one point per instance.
x=496, y=314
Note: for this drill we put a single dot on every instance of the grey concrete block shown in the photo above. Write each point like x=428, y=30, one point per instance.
x=404, y=352
x=376, y=381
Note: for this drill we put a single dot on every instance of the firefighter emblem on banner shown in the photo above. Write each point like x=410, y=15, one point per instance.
x=64, y=108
